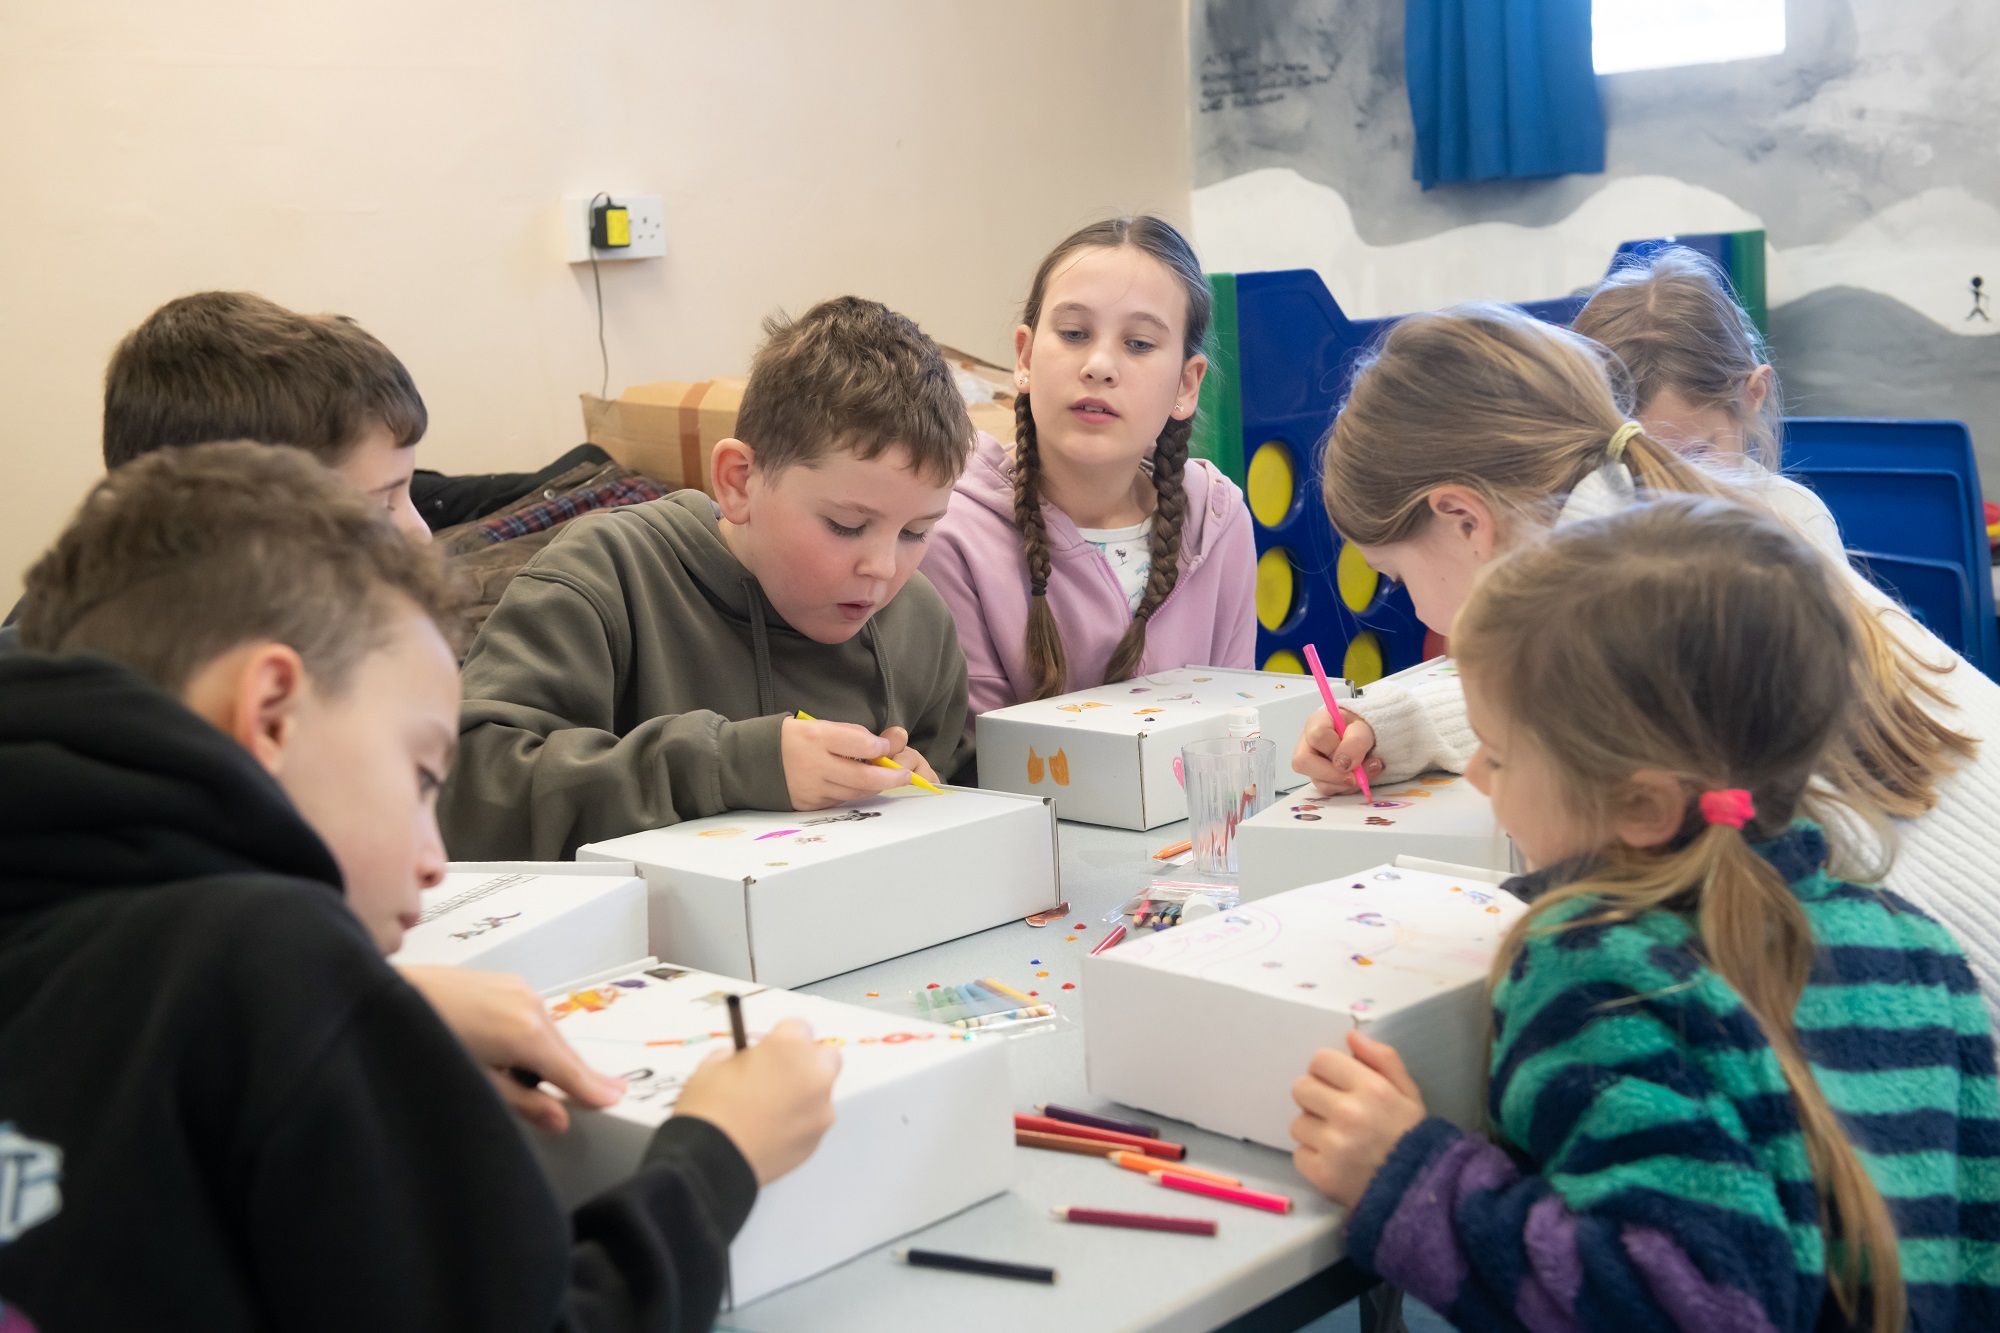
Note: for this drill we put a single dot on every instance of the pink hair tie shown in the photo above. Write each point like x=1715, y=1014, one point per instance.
x=1731, y=806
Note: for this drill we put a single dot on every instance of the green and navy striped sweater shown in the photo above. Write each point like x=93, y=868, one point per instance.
x=1650, y=1173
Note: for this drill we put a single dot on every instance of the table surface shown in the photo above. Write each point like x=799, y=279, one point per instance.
x=1110, y=1279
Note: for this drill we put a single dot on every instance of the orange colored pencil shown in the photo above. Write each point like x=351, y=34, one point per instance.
x=1152, y=1166
x=1028, y=1138
x=1167, y=853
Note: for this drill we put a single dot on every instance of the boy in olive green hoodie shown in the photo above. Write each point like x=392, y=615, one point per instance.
x=645, y=668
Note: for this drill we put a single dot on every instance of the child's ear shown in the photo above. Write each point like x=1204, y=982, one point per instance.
x=1650, y=809
x=1467, y=517
x=729, y=471
x=253, y=693
x=1759, y=387
x=1189, y=395
x=1024, y=346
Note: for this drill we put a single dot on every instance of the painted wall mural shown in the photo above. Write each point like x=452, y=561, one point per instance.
x=1869, y=152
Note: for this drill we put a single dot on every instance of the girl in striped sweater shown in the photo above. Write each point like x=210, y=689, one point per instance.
x=1731, y=1089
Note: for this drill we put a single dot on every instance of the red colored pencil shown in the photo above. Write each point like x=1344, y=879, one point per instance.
x=1049, y=1125
x=1117, y=934
x=1270, y=1203
x=1105, y=1217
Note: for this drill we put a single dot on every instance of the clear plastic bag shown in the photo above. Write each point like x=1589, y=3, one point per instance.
x=1167, y=902
x=980, y=1008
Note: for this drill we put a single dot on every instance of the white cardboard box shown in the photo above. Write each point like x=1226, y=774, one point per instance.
x=1241, y=1001
x=549, y=922
x=1302, y=837
x=923, y=1118
x=1107, y=756
x=789, y=898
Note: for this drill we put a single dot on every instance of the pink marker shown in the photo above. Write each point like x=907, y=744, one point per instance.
x=1333, y=711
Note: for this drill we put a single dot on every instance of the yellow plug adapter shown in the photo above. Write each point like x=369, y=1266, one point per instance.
x=610, y=226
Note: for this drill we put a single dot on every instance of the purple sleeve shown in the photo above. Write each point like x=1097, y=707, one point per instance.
x=1235, y=643
x=1451, y=1220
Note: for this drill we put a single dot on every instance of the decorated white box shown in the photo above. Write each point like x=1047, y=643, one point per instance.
x=1211, y=1022
x=1111, y=755
x=548, y=922
x=1301, y=838
x=923, y=1115
x=790, y=898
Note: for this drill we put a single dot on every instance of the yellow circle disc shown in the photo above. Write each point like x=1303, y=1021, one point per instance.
x=1357, y=582
x=1274, y=587
x=1271, y=480
x=1285, y=660
x=1363, y=663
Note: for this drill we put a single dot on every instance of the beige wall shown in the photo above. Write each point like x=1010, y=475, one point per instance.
x=401, y=161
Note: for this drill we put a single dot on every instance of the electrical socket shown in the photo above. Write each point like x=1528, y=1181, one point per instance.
x=649, y=227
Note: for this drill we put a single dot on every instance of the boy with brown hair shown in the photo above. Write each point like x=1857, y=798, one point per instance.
x=647, y=667
x=218, y=763
x=236, y=366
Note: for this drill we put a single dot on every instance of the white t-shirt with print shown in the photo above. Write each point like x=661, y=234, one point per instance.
x=1129, y=552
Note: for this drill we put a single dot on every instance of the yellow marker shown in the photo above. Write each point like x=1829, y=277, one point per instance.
x=882, y=762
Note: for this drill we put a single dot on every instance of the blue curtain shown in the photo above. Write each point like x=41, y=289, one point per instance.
x=1502, y=88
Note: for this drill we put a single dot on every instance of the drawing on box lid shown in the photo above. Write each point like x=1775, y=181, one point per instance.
x=1383, y=938
x=1194, y=692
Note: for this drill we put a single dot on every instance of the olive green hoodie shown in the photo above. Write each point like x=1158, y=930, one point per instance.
x=635, y=675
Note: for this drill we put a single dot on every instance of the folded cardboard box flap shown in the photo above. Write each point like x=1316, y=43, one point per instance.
x=666, y=430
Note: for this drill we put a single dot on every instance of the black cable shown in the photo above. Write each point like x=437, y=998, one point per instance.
x=597, y=281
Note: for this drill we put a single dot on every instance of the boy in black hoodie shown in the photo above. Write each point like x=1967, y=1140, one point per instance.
x=220, y=1108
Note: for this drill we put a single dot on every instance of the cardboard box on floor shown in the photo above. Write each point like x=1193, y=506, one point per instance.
x=548, y=922
x=1248, y=996
x=923, y=1123
x=1108, y=755
x=790, y=898
x=1439, y=816
x=667, y=430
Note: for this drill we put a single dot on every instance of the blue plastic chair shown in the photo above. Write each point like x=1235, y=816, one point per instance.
x=1906, y=495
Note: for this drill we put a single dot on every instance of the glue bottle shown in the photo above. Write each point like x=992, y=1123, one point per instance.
x=1243, y=724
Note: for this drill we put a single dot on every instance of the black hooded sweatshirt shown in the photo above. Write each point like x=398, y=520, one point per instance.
x=221, y=1110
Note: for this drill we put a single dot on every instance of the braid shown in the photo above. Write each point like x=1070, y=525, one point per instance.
x=1169, y=468
x=1045, y=648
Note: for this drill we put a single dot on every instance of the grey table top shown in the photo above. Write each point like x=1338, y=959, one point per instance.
x=1110, y=1279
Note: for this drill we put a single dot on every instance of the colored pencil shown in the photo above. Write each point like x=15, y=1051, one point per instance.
x=965, y=1263
x=1117, y=934
x=1029, y=1138
x=1270, y=1203
x=1105, y=1217
x=1076, y=1117
x=1167, y=853
x=1137, y=1142
x=1333, y=711
x=882, y=761
x=736, y=1033
x=1006, y=990
x=1152, y=1166
x=1005, y=1016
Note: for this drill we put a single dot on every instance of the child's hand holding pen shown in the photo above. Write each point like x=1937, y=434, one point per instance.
x=830, y=762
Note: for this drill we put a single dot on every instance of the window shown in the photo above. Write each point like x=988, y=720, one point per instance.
x=1660, y=34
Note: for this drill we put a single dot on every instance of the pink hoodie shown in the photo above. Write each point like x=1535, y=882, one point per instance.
x=974, y=558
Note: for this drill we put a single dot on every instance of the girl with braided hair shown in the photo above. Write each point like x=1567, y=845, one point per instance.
x=1094, y=549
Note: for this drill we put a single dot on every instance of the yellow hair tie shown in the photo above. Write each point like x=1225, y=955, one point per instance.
x=1621, y=437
